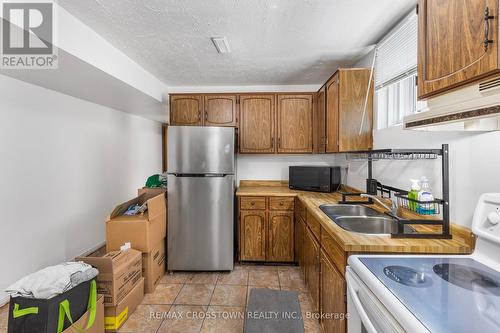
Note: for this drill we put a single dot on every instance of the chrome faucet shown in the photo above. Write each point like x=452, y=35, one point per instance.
x=394, y=207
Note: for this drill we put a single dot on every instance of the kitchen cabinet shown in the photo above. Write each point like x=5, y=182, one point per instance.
x=257, y=124
x=295, y=123
x=349, y=124
x=266, y=229
x=319, y=122
x=221, y=110
x=253, y=227
x=312, y=267
x=186, y=110
x=280, y=236
x=457, y=43
x=333, y=297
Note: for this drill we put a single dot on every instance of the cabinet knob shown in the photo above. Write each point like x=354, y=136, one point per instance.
x=282, y=203
x=252, y=203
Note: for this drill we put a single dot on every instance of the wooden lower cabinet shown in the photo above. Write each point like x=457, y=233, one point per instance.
x=265, y=233
x=333, y=297
x=312, y=266
x=280, y=237
x=253, y=228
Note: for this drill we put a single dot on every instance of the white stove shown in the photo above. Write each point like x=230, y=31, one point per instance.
x=431, y=293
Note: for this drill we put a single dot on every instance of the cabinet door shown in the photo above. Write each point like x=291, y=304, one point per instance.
x=221, y=110
x=332, y=114
x=355, y=122
x=312, y=262
x=253, y=235
x=319, y=122
x=257, y=113
x=451, y=48
x=333, y=289
x=295, y=118
x=280, y=237
x=186, y=110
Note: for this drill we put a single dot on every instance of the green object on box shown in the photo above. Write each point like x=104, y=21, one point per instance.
x=156, y=181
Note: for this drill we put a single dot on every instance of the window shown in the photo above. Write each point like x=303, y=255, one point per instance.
x=396, y=73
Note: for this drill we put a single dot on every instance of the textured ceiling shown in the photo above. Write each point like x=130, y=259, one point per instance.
x=273, y=42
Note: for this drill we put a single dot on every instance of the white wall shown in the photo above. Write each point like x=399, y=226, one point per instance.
x=64, y=164
x=275, y=167
x=474, y=164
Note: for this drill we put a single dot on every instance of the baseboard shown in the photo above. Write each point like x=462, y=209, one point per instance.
x=4, y=298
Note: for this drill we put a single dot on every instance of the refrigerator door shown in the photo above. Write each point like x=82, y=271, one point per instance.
x=200, y=223
x=200, y=150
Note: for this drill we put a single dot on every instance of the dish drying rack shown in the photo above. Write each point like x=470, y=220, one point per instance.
x=435, y=207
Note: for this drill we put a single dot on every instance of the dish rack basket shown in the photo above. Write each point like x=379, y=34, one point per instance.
x=437, y=207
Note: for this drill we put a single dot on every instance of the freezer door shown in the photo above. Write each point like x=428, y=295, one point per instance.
x=200, y=223
x=200, y=150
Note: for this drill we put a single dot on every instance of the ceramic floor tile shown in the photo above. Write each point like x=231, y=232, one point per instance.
x=195, y=294
x=203, y=278
x=4, y=317
x=291, y=284
x=184, y=319
x=175, y=277
x=163, y=294
x=229, y=295
x=264, y=278
x=311, y=326
x=145, y=319
x=224, y=319
x=239, y=276
x=305, y=302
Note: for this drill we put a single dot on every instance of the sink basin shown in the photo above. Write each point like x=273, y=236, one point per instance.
x=372, y=225
x=334, y=211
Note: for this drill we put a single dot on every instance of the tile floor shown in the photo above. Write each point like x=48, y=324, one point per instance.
x=202, y=302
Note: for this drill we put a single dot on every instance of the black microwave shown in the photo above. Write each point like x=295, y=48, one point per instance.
x=314, y=178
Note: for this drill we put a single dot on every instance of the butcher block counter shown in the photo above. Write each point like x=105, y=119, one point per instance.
x=461, y=243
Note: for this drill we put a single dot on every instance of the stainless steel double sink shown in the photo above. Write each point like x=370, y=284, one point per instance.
x=360, y=219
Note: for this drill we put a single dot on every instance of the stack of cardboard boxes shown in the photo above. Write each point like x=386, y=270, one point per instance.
x=121, y=283
x=126, y=274
x=145, y=232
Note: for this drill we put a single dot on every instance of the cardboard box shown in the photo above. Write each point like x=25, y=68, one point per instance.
x=153, y=266
x=116, y=316
x=98, y=326
x=142, y=231
x=119, y=272
x=152, y=191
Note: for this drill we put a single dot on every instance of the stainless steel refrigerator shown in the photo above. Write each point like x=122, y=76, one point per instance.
x=200, y=198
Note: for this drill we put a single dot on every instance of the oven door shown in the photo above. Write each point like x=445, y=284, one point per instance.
x=366, y=313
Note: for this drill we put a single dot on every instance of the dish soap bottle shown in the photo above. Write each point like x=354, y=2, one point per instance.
x=425, y=195
x=413, y=194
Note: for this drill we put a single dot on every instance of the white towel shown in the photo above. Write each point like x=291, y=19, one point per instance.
x=52, y=281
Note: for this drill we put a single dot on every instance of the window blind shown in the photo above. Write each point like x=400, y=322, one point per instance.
x=397, y=53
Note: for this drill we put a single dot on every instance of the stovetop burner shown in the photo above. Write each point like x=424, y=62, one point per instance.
x=407, y=276
x=468, y=278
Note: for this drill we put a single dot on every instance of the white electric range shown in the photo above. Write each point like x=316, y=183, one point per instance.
x=431, y=293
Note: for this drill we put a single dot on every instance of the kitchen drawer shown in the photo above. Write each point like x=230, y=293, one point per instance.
x=334, y=251
x=281, y=203
x=251, y=203
x=313, y=225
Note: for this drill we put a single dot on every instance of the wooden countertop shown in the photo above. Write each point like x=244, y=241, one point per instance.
x=461, y=243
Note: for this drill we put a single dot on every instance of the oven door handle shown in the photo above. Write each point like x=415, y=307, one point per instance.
x=359, y=307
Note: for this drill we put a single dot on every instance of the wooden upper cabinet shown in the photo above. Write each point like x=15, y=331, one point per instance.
x=281, y=237
x=257, y=116
x=349, y=124
x=319, y=122
x=451, y=43
x=253, y=228
x=186, y=110
x=332, y=114
x=221, y=110
x=355, y=121
x=295, y=117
